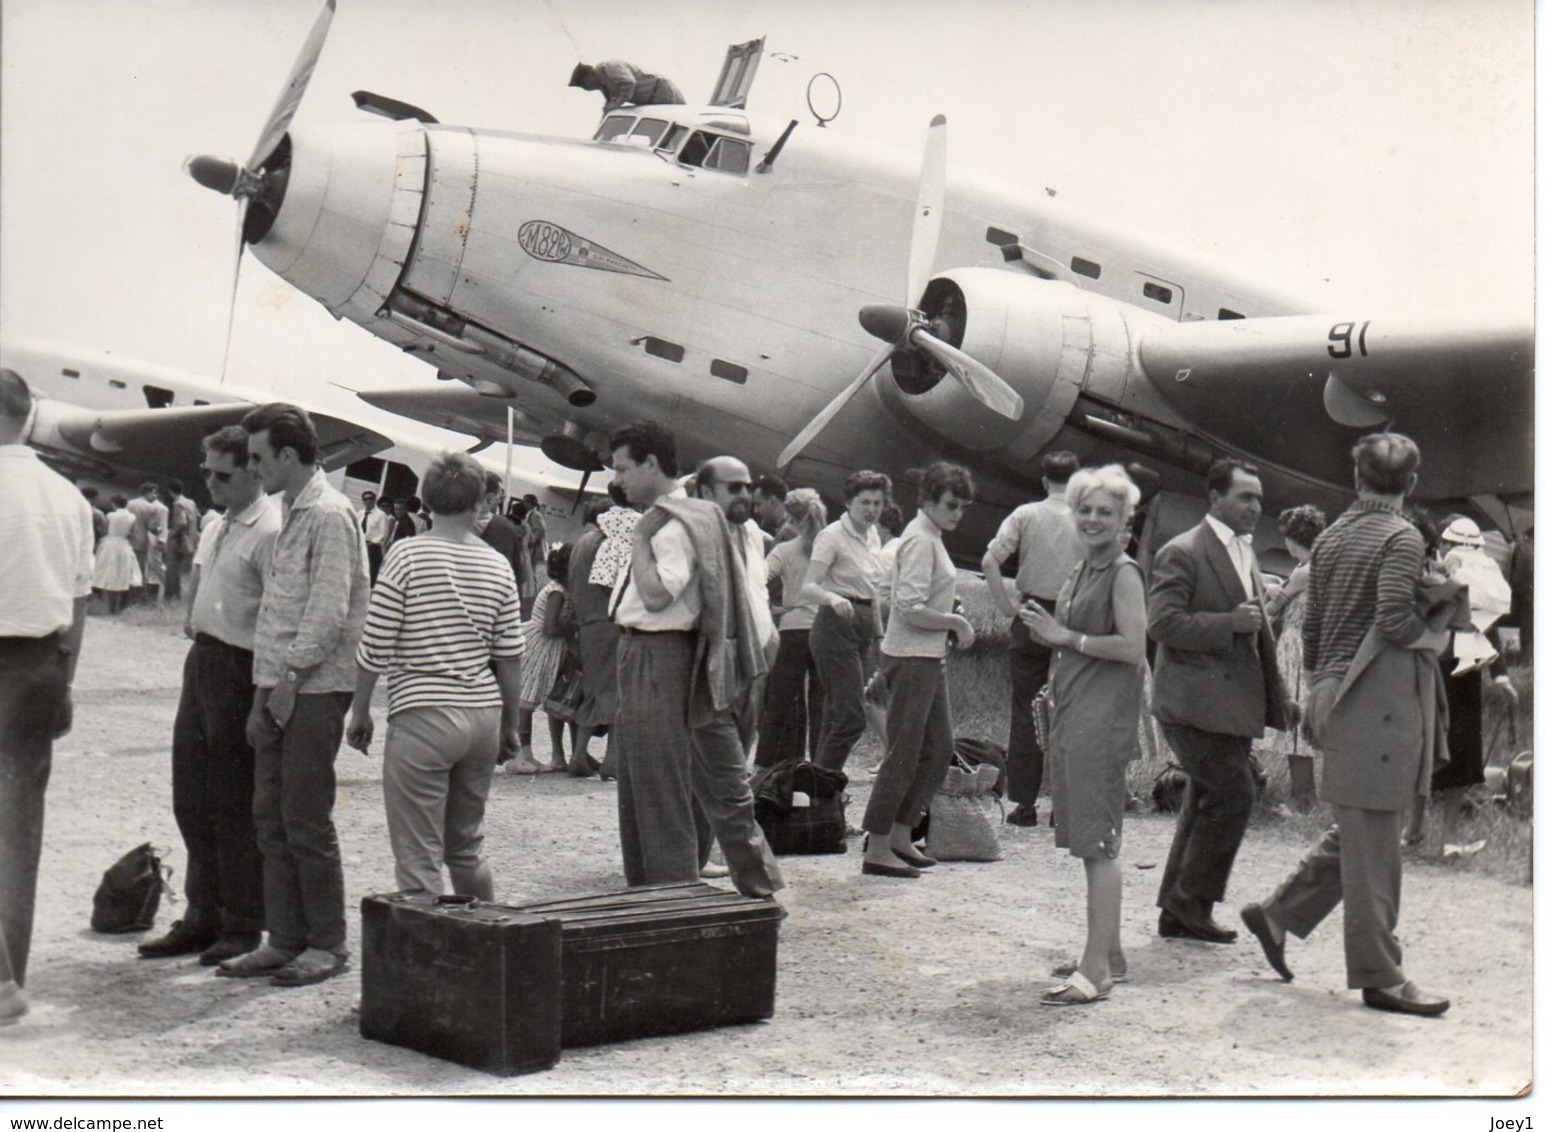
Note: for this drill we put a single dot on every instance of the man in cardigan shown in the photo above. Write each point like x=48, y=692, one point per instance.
x=688, y=651
x=1215, y=687
x=1373, y=708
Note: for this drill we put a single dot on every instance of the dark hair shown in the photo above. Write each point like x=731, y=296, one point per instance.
x=288, y=426
x=15, y=397
x=398, y=500
x=516, y=511
x=415, y=503
x=942, y=477
x=1386, y=462
x=860, y=482
x=582, y=74
x=530, y=498
x=492, y=482
x=617, y=495
x=558, y=563
x=891, y=519
x=230, y=440
x=643, y=439
x=1220, y=475
x=89, y=492
x=120, y=501
x=1302, y=524
x=174, y=486
x=366, y=494
x=1418, y=518
x=774, y=486
x=1058, y=467
x=147, y=487
x=596, y=508
x=453, y=484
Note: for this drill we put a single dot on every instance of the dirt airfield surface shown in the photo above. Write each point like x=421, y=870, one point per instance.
x=885, y=988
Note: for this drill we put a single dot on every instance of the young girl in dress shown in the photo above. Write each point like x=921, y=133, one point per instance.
x=548, y=643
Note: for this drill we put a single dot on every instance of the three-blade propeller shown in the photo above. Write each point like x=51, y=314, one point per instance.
x=905, y=328
x=243, y=182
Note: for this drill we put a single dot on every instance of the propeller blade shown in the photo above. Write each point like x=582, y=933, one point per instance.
x=230, y=316
x=294, y=88
x=929, y=217
x=824, y=417
x=986, y=386
x=584, y=482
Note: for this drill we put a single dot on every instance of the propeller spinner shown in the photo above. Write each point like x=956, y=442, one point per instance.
x=906, y=328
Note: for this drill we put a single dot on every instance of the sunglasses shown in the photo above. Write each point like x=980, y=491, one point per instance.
x=218, y=477
x=737, y=487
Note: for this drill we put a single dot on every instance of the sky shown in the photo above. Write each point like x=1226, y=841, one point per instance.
x=1377, y=152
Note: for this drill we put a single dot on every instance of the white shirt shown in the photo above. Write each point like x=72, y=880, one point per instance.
x=677, y=568
x=376, y=525
x=46, y=543
x=1239, y=553
x=752, y=541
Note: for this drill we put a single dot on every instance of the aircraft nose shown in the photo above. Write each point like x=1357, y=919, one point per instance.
x=343, y=223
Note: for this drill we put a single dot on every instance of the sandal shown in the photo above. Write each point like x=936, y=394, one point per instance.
x=266, y=960
x=311, y=966
x=1070, y=968
x=1077, y=991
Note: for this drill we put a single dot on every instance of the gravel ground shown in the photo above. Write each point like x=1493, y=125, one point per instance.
x=885, y=988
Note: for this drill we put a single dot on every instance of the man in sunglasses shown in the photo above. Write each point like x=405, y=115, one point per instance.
x=212, y=762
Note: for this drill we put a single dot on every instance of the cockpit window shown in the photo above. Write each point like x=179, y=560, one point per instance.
x=673, y=139
x=615, y=125
x=651, y=128
x=708, y=151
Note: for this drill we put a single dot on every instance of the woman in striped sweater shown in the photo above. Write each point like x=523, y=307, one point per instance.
x=444, y=605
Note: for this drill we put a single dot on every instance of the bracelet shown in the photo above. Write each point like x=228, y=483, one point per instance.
x=1083, y=641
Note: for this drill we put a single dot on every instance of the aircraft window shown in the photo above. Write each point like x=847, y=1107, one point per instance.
x=673, y=139
x=158, y=398
x=651, y=128
x=696, y=149
x=1156, y=293
x=199, y=401
x=614, y=126
x=1086, y=267
x=660, y=348
x=70, y=372
x=729, y=156
x=727, y=370
x=1224, y=314
x=116, y=384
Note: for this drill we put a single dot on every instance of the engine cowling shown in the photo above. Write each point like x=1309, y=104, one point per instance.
x=1049, y=340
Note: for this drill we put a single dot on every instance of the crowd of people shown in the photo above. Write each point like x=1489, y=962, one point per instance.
x=711, y=624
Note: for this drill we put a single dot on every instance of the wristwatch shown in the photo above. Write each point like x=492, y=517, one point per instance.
x=291, y=676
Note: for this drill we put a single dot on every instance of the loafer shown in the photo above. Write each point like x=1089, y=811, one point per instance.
x=263, y=963
x=875, y=869
x=1175, y=926
x=180, y=939
x=1407, y=998
x=916, y=860
x=1253, y=916
x=229, y=946
x=1022, y=815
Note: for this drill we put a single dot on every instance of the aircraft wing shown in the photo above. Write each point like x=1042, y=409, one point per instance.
x=1299, y=390
x=167, y=439
x=459, y=408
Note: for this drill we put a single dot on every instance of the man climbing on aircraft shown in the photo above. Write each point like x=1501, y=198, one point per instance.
x=623, y=84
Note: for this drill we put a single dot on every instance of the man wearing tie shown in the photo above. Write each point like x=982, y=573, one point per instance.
x=1215, y=687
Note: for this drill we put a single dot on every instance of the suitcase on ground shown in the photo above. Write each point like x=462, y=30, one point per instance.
x=472, y=983
x=663, y=959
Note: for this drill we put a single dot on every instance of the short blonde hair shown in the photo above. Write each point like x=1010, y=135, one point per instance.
x=1111, y=479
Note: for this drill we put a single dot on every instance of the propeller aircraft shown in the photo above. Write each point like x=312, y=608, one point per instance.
x=728, y=274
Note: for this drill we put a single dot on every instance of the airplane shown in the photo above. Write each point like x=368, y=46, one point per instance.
x=728, y=275
x=114, y=423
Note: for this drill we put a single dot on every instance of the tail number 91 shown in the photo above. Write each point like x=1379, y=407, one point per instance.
x=1341, y=339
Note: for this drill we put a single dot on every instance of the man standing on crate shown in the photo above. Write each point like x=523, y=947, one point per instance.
x=1215, y=688
x=689, y=651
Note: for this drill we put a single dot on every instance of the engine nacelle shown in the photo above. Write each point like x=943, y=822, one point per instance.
x=1049, y=340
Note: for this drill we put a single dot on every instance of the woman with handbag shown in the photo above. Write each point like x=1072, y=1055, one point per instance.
x=1095, y=694
x=919, y=737
x=443, y=607
x=552, y=656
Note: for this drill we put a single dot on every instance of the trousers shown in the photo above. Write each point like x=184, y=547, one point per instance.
x=212, y=775
x=33, y=685
x=665, y=765
x=1220, y=792
x=919, y=742
x=841, y=650
x=293, y=794
x=1356, y=863
x=1029, y=667
x=791, y=709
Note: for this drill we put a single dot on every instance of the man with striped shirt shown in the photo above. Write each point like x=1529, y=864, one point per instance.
x=444, y=605
x=1374, y=682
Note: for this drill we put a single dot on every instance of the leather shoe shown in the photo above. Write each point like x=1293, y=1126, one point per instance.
x=1023, y=815
x=181, y=939
x=874, y=869
x=1407, y=998
x=1175, y=926
x=1253, y=916
x=229, y=946
x=916, y=860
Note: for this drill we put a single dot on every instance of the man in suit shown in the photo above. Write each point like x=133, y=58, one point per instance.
x=1373, y=708
x=1215, y=687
